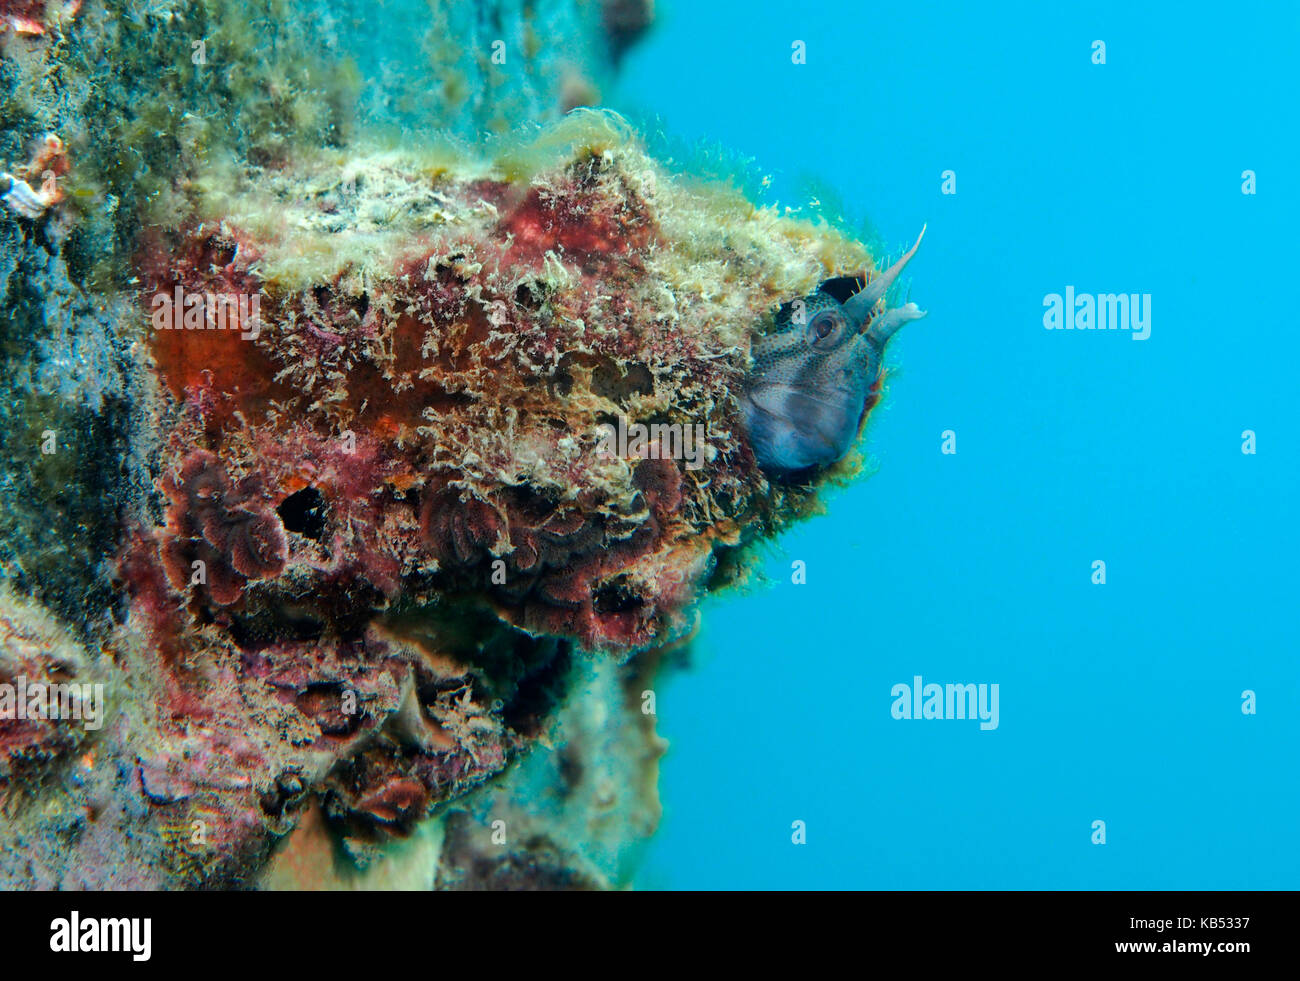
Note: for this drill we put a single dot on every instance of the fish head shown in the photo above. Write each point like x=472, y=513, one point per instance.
x=814, y=374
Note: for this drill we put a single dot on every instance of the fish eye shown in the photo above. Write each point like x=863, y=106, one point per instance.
x=824, y=329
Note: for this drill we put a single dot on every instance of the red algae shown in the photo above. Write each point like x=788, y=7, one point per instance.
x=392, y=404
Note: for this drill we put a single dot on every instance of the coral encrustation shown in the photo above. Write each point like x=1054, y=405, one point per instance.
x=386, y=529
x=421, y=401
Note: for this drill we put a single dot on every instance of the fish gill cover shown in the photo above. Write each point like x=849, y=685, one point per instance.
x=369, y=464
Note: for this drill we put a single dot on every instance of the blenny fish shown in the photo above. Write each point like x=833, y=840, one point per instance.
x=814, y=376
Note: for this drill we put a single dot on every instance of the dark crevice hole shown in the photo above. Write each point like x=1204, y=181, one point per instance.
x=617, y=596
x=304, y=513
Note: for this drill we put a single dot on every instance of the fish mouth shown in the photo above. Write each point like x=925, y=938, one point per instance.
x=792, y=430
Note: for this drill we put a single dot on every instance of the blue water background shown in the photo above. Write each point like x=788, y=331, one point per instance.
x=1120, y=702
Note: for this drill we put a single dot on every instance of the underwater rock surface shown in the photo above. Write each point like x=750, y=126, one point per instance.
x=386, y=476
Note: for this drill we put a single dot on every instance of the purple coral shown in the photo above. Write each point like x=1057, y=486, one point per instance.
x=219, y=535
